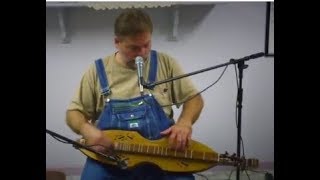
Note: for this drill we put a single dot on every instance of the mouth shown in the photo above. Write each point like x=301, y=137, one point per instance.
x=131, y=64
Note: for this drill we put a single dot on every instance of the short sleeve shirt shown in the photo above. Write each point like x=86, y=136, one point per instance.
x=123, y=83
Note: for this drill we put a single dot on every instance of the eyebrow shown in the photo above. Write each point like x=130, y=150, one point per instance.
x=132, y=45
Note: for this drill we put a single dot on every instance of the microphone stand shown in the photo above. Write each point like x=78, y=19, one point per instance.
x=241, y=66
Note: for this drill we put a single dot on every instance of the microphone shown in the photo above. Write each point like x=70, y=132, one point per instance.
x=139, y=64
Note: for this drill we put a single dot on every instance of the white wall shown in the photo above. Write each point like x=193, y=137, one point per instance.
x=208, y=36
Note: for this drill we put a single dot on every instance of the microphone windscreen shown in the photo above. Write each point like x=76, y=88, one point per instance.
x=138, y=60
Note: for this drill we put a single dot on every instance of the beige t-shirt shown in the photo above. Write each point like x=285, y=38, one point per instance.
x=123, y=83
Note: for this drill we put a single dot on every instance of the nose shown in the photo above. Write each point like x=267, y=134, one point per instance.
x=142, y=51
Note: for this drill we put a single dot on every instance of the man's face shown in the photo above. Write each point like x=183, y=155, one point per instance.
x=131, y=47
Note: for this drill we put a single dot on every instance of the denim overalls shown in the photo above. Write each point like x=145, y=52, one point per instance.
x=142, y=114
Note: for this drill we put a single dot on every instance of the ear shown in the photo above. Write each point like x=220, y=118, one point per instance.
x=116, y=42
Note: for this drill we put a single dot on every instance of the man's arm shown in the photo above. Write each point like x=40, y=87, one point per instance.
x=180, y=133
x=191, y=111
x=79, y=123
x=76, y=120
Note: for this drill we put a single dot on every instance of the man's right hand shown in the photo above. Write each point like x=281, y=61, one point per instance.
x=95, y=138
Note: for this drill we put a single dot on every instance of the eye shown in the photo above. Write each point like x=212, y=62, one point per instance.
x=134, y=48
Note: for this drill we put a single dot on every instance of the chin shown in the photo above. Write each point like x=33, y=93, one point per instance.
x=131, y=64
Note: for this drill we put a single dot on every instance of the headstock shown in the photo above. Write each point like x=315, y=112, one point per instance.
x=233, y=160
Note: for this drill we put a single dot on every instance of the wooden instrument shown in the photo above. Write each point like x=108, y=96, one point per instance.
x=134, y=149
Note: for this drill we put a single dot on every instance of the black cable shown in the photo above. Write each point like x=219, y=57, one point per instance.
x=268, y=175
x=59, y=139
x=113, y=157
x=260, y=171
x=237, y=125
x=198, y=92
x=229, y=177
x=247, y=174
x=235, y=69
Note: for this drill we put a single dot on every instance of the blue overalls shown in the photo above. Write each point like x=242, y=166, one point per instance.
x=142, y=114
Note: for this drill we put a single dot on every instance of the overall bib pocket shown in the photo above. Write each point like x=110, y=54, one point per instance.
x=134, y=119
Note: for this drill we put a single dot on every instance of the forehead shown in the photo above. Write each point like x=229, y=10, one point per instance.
x=139, y=39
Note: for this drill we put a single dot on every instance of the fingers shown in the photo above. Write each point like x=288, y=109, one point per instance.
x=172, y=139
x=178, y=140
x=181, y=142
x=166, y=132
x=179, y=137
x=108, y=143
x=100, y=143
x=189, y=140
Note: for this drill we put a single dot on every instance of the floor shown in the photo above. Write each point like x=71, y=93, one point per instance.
x=221, y=175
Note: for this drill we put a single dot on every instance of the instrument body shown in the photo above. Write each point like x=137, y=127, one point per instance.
x=134, y=149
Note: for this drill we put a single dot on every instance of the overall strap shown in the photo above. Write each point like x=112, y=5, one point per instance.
x=102, y=77
x=153, y=67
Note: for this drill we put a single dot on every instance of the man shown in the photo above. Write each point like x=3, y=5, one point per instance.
x=112, y=82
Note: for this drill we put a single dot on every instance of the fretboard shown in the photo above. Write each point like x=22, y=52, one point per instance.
x=157, y=150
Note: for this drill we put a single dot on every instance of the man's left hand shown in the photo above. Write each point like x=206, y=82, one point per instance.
x=179, y=136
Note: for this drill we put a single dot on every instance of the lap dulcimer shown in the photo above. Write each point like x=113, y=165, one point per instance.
x=133, y=149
